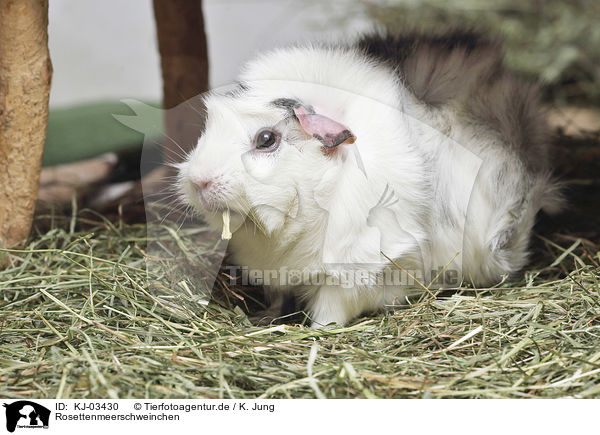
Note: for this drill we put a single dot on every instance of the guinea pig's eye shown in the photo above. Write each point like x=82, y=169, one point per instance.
x=267, y=139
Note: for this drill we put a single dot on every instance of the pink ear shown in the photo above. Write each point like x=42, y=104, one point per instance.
x=329, y=132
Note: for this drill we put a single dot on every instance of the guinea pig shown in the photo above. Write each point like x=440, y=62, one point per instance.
x=357, y=175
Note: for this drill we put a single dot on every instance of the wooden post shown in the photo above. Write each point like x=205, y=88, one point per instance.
x=184, y=63
x=25, y=76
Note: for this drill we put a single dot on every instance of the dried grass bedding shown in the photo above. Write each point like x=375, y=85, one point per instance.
x=78, y=320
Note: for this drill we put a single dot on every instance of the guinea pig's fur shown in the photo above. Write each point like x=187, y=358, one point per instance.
x=443, y=169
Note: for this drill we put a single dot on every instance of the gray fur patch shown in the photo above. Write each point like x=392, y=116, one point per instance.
x=465, y=69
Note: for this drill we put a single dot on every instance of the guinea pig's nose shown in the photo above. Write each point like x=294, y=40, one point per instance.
x=201, y=183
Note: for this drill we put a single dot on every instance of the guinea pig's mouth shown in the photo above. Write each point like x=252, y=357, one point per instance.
x=213, y=206
x=212, y=202
x=216, y=208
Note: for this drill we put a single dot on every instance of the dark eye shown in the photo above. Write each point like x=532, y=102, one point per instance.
x=267, y=139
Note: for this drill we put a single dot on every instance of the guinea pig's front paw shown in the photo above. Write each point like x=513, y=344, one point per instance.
x=328, y=319
x=333, y=307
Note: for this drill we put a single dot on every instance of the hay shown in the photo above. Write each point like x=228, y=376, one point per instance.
x=78, y=321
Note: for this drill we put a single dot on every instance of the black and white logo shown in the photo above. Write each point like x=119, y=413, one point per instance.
x=25, y=414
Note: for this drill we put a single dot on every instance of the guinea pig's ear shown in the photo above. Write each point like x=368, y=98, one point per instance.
x=329, y=132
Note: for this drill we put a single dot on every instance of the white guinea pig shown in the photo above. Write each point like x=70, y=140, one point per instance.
x=357, y=175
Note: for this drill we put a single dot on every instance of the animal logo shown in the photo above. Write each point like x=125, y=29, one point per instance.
x=26, y=414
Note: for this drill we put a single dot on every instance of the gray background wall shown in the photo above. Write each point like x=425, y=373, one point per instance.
x=106, y=49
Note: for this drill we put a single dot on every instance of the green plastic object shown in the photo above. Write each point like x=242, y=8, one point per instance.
x=86, y=131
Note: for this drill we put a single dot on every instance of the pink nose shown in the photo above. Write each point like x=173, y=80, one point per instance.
x=202, y=183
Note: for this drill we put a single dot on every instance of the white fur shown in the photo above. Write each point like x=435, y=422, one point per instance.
x=311, y=212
